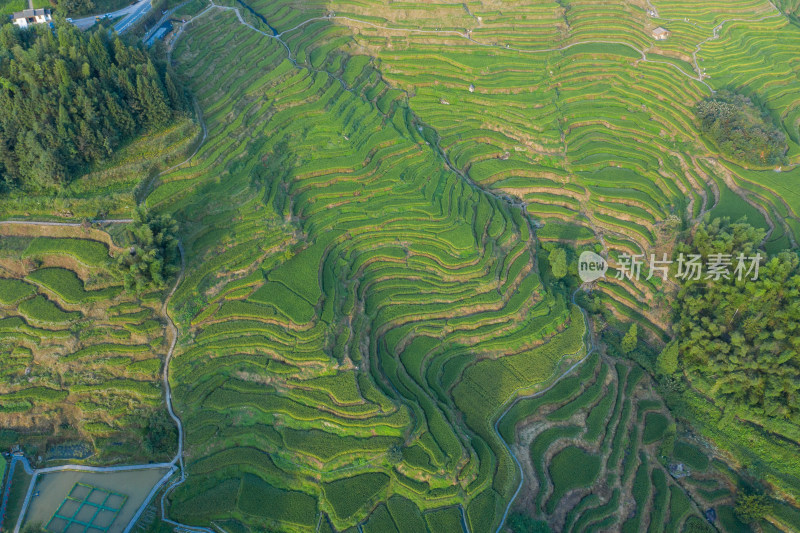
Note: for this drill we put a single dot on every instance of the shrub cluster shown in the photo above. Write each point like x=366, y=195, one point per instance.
x=740, y=129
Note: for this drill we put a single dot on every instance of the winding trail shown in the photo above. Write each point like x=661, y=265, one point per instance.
x=590, y=345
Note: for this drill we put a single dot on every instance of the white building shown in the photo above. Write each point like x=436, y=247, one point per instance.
x=660, y=34
x=26, y=18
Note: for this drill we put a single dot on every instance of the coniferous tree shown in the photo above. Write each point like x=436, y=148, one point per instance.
x=69, y=99
x=153, y=255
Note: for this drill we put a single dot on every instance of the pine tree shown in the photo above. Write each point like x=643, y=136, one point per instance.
x=68, y=100
x=631, y=339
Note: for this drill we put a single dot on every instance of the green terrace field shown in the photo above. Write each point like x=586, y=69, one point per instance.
x=354, y=315
x=364, y=319
x=362, y=296
x=577, y=111
x=81, y=358
x=601, y=453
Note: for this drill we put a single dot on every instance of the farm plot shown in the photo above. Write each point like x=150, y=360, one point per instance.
x=615, y=463
x=354, y=321
x=81, y=358
x=574, y=109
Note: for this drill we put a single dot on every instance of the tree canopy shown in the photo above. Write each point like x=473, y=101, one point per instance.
x=152, y=258
x=740, y=129
x=631, y=339
x=68, y=99
x=740, y=337
x=558, y=263
x=752, y=507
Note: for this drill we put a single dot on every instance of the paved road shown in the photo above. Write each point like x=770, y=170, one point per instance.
x=142, y=8
x=66, y=224
x=165, y=16
x=135, y=10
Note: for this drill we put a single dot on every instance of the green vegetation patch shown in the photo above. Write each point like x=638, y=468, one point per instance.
x=90, y=253
x=740, y=129
x=13, y=290
x=284, y=300
x=348, y=495
x=447, y=519
x=690, y=455
x=40, y=309
x=259, y=498
x=69, y=287
x=655, y=425
x=406, y=515
x=571, y=468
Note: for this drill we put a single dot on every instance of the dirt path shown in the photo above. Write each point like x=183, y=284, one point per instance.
x=591, y=345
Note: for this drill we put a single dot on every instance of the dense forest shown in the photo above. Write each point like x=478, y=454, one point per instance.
x=740, y=129
x=68, y=99
x=741, y=336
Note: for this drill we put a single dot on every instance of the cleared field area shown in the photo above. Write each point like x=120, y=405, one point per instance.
x=129, y=488
x=81, y=357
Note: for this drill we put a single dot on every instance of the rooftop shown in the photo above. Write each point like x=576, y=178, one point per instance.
x=28, y=13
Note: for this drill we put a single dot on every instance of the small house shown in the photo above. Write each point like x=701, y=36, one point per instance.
x=28, y=17
x=660, y=34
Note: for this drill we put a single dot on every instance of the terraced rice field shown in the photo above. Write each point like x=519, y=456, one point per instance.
x=601, y=453
x=362, y=296
x=81, y=359
x=576, y=110
x=355, y=314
